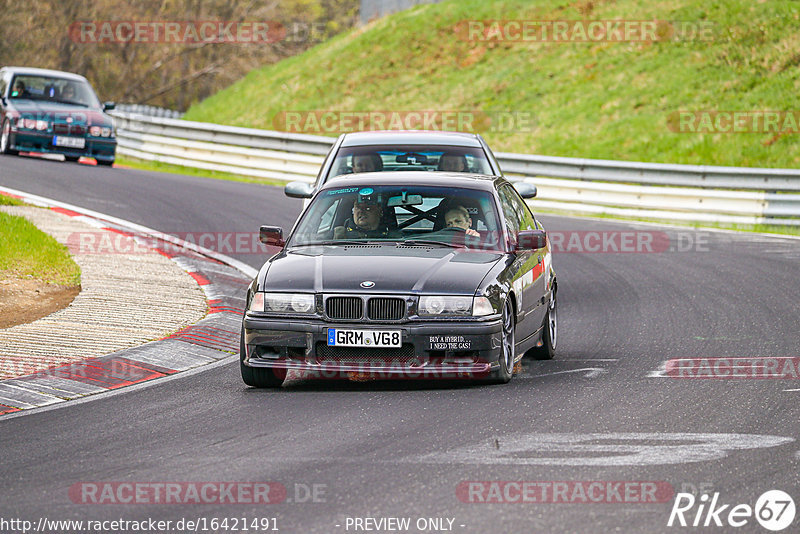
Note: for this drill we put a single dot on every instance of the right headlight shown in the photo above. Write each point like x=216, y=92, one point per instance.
x=289, y=303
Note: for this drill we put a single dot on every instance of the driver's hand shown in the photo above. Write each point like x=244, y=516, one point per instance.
x=473, y=233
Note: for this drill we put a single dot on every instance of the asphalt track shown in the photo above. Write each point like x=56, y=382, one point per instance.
x=598, y=412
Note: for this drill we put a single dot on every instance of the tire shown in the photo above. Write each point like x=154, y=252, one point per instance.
x=72, y=158
x=5, y=139
x=105, y=163
x=550, y=334
x=504, y=372
x=255, y=376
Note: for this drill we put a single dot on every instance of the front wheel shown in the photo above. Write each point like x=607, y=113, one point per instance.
x=550, y=333
x=105, y=162
x=255, y=376
x=505, y=370
x=72, y=159
x=5, y=139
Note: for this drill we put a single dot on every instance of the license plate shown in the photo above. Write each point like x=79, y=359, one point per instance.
x=70, y=142
x=378, y=339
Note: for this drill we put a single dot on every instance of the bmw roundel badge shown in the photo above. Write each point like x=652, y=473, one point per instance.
x=366, y=284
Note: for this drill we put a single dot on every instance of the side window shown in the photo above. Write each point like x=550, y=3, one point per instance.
x=327, y=218
x=3, y=85
x=510, y=215
x=527, y=222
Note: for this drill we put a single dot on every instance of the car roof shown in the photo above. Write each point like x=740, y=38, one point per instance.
x=45, y=72
x=419, y=178
x=411, y=137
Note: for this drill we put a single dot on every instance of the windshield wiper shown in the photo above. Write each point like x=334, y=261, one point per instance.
x=70, y=102
x=341, y=242
x=412, y=242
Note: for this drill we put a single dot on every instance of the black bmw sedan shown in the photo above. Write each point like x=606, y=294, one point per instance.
x=403, y=275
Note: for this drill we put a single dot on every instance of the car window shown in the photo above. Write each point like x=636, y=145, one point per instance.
x=397, y=213
x=526, y=220
x=511, y=214
x=53, y=89
x=3, y=85
x=350, y=160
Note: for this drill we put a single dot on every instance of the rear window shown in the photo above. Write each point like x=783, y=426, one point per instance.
x=350, y=160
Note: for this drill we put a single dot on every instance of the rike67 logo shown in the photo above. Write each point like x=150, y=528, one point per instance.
x=774, y=510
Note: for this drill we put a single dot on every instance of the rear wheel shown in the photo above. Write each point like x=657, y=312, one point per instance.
x=5, y=139
x=105, y=162
x=505, y=370
x=255, y=376
x=549, y=334
x=72, y=158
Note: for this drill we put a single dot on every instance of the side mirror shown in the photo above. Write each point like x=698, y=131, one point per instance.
x=271, y=236
x=525, y=189
x=298, y=190
x=108, y=106
x=531, y=240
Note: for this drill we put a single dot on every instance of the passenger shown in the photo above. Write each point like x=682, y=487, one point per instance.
x=367, y=221
x=367, y=163
x=19, y=90
x=458, y=217
x=453, y=163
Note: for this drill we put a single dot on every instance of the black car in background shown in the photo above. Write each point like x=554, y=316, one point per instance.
x=393, y=151
x=403, y=275
x=54, y=112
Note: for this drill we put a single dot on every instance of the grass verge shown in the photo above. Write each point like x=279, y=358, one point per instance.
x=27, y=252
x=601, y=99
x=10, y=201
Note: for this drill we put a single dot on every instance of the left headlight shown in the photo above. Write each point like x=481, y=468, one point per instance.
x=290, y=303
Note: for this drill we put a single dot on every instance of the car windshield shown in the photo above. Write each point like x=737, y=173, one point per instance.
x=410, y=158
x=52, y=89
x=429, y=215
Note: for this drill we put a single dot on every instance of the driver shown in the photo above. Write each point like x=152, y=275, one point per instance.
x=19, y=89
x=458, y=217
x=367, y=220
x=367, y=163
x=453, y=163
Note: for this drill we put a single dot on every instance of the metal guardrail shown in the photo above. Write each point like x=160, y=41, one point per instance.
x=632, y=189
x=150, y=111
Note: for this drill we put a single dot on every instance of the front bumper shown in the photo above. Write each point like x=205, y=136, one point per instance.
x=103, y=148
x=452, y=349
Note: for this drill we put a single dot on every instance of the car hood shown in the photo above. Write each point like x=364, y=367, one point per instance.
x=58, y=112
x=393, y=269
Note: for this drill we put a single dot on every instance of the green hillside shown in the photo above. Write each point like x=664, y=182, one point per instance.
x=610, y=100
